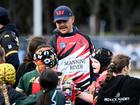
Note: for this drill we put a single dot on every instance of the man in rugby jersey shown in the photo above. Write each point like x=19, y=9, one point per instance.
x=72, y=48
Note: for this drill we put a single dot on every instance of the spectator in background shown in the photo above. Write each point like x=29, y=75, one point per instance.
x=44, y=57
x=28, y=64
x=70, y=45
x=9, y=39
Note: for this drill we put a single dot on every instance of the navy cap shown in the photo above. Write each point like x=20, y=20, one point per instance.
x=3, y=12
x=62, y=13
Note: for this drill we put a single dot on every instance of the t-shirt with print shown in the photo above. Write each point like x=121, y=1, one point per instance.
x=26, y=81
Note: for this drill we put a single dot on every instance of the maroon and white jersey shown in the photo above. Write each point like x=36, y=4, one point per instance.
x=73, y=52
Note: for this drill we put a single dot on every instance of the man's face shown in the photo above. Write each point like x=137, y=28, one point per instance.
x=65, y=26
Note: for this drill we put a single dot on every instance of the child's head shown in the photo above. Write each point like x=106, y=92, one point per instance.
x=33, y=44
x=120, y=63
x=7, y=78
x=101, y=58
x=45, y=57
x=7, y=74
x=48, y=79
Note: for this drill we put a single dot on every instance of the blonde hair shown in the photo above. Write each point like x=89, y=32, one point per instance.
x=7, y=76
x=5, y=94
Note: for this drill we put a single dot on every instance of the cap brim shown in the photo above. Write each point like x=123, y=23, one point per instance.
x=61, y=18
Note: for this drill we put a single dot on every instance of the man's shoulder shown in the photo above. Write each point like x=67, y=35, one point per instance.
x=84, y=35
x=52, y=40
x=54, y=36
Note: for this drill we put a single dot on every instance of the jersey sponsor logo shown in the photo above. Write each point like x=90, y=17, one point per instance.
x=117, y=99
x=72, y=65
x=60, y=12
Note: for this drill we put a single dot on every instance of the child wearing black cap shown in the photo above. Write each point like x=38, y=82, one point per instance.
x=101, y=58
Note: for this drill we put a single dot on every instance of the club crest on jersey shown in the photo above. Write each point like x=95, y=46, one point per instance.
x=62, y=45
